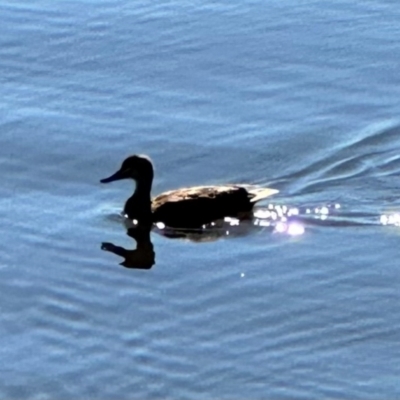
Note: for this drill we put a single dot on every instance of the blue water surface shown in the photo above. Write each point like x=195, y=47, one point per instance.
x=302, y=96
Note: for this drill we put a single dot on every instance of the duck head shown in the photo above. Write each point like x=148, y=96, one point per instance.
x=137, y=167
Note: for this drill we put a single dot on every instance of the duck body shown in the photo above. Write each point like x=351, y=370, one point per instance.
x=199, y=205
x=186, y=207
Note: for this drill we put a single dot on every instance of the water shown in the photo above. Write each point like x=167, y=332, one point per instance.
x=301, y=96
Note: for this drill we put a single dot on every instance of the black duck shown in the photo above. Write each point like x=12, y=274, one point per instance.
x=187, y=207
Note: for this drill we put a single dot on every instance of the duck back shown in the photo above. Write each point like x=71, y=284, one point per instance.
x=200, y=205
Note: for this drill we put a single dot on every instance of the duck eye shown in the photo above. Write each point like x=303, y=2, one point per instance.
x=125, y=167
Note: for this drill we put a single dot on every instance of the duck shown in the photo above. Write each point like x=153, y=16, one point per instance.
x=191, y=207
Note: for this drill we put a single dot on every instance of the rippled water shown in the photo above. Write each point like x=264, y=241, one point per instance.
x=300, y=96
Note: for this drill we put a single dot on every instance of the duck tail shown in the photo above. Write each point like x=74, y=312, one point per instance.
x=261, y=193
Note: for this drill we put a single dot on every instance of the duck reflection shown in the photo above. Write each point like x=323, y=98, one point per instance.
x=273, y=219
x=143, y=257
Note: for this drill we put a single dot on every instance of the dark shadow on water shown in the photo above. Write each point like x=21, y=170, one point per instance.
x=143, y=257
x=275, y=219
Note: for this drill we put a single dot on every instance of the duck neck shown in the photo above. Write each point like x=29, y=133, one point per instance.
x=143, y=190
x=138, y=205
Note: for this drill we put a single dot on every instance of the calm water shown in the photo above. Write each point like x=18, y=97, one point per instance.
x=300, y=95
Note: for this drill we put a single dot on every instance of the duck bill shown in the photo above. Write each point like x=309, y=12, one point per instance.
x=115, y=177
